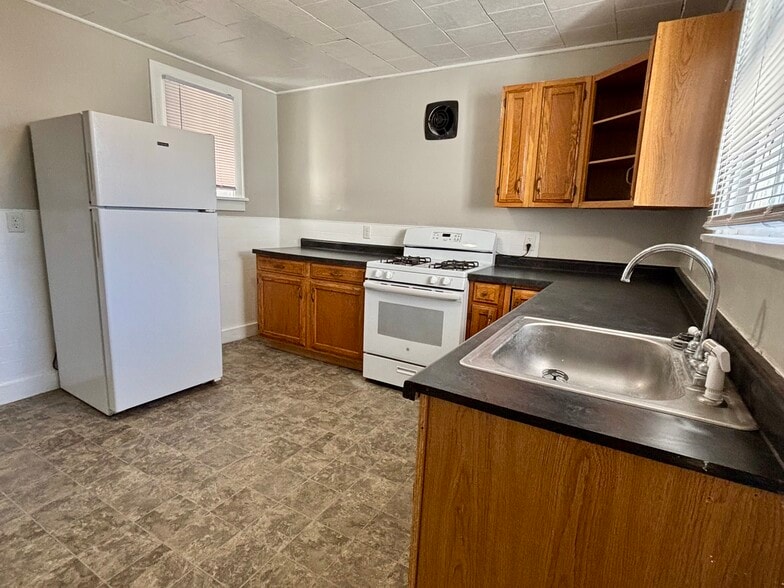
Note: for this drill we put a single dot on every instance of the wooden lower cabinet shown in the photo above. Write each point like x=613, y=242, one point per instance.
x=336, y=318
x=489, y=302
x=499, y=503
x=312, y=309
x=282, y=307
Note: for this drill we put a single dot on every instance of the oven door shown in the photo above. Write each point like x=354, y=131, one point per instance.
x=410, y=323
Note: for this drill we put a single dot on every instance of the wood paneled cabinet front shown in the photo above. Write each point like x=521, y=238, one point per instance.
x=489, y=302
x=541, y=143
x=336, y=318
x=501, y=503
x=312, y=309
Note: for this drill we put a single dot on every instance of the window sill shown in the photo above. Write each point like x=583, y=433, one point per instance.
x=233, y=204
x=772, y=247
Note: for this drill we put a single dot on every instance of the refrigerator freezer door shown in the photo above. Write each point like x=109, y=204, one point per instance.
x=136, y=164
x=159, y=281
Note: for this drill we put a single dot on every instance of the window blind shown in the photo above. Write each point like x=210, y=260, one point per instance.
x=749, y=184
x=205, y=111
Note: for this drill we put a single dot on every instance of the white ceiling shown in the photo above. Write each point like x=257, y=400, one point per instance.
x=287, y=44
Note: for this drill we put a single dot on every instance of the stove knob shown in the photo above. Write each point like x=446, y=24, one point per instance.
x=378, y=274
x=432, y=280
x=446, y=281
x=388, y=275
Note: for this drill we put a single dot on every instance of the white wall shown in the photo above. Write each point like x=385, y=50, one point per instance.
x=751, y=294
x=26, y=341
x=357, y=153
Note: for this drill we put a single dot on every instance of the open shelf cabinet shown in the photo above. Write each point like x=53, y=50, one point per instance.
x=616, y=124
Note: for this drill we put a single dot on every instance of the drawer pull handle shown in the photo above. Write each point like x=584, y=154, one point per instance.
x=404, y=371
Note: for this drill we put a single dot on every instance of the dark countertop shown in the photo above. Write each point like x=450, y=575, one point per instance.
x=335, y=253
x=650, y=305
x=327, y=256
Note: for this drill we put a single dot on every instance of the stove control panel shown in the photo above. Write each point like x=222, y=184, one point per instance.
x=447, y=237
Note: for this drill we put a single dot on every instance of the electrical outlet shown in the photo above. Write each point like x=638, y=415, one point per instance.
x=14, y=220
x=366, y=231
x=532, y=239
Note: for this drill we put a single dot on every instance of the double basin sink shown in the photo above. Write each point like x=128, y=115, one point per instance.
x=630, y=368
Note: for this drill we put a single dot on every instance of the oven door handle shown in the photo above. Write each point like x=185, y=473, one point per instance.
x=408, y=291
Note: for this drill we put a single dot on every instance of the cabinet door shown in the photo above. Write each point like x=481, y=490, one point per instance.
x=561, y=135
x=688, y=85
x=480, y=316
x=519, y=295
x=517, y=145
x=282, y=307
x=337, y=318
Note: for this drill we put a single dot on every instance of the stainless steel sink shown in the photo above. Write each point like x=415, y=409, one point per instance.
x=635, y=369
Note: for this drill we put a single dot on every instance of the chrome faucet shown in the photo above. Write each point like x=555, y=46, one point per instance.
x=713, y=281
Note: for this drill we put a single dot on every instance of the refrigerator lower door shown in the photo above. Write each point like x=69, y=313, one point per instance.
x=158, y=272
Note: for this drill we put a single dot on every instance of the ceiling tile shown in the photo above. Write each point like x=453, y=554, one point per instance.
x=314, y=32
x=390, y=50
x=491, y=50
x=366, y=33
x=700, y=7
x=561, y=4
x=366, y=3
x=441, y=52
x=428, y=3
x=372, y=65
x=537, y=39
x=457, y=14
x=398, y=14
x=588, y=35
x=500, y=5
x=224, y=12
x=414, y=63
x=422, y=36
x=522, y=19
x=75, y=7
x=644, y=20
x=342, y=49
x=290, y=43
x=336, y=13
x=477, y=35
x=587, y=15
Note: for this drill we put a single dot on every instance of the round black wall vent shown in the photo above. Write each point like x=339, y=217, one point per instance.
x=441, y=120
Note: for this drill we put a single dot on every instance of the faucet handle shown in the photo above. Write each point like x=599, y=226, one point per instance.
x=694, y=332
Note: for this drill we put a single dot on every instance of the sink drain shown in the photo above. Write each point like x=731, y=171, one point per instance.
x=555, y=375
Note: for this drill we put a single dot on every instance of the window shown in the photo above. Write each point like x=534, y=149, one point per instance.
x=187, y=101
x=749, y=186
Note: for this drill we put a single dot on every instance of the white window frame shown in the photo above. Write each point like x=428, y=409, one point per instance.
x=157, y=73
x=759, y=231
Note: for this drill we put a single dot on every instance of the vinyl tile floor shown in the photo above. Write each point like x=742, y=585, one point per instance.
x=288, y=472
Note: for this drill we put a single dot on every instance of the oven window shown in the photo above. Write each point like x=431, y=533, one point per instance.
x=410, y=323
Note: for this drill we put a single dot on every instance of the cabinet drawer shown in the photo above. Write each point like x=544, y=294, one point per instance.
x=283, y=266
x=520, y=295
x=337, y=273
x=491, y=293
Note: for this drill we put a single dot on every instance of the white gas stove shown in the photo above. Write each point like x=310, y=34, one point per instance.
x=416, y=304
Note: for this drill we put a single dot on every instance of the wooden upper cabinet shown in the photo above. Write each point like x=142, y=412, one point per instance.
x=540, y=143
x=336, y=318
x=517, y=144
x=282, y=307
x=560, y=142
x=687, y=92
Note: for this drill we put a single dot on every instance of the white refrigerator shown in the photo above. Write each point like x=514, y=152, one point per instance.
x=131, y=242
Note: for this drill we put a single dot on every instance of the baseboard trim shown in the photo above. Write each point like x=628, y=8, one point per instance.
x=239, y=332
x=28, y=386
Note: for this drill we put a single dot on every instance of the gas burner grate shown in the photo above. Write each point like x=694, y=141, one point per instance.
x=407, y=260
x=455, y=264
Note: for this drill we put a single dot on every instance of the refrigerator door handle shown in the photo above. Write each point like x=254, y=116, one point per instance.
x=96, y=240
